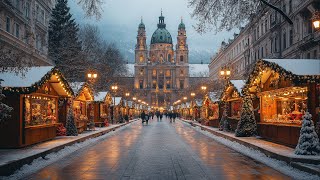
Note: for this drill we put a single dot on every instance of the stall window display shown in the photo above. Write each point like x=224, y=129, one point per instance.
x=284, y=106
x=40, y=110
x=79, y=109
x=235, y=109
x=103, y=111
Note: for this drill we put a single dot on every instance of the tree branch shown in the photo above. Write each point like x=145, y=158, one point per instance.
x=279, y=10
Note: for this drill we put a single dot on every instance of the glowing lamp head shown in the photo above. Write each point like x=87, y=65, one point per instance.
x=316, y=20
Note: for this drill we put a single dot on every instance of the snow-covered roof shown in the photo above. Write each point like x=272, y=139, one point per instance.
x=238, y=84
x=195, y=70
x=198, y=102
x=199, y=70
x=76, y=86
x=130, y=104
x=31, y=76
x=214, y=96
x=117, y=100
x=299, y=66
x=100, y=96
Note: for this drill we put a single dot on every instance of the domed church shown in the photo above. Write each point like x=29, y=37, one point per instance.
x=161, y=73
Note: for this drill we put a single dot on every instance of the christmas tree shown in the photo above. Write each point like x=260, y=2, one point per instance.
x=64, y=46
x=4, y=109
x=70, y=124
x=308, y=143
x=247, y=125
x=224, y=123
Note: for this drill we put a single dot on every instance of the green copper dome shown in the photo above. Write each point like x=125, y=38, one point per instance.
x=161, y=35
x=141, y=25
x=181, y=25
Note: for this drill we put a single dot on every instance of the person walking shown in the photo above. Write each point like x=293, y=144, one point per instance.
x=158, y=115
x=161, y=115
x=170, y=116
x=143, y=116
x=126, y=118
x=147, y=118
x=174, y=116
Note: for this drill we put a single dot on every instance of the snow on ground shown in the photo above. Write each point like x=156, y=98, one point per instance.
x=281, y=166
x=40, y=162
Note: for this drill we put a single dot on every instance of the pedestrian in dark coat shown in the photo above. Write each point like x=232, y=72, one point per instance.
x=126, y=118
x=174, y=115
x=161, y=115
x=143, y=116
x=158, y=115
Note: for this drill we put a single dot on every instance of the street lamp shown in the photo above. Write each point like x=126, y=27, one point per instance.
x=192, y=94
x=225, y=72
x=203, y=88
x=316, y=20
x=185, y=98
x=114, y=88
x=134, y=98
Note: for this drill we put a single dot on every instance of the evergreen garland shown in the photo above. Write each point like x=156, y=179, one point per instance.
x=247, y=125
x=70, y=124
x=5, y=110
x=308, y=143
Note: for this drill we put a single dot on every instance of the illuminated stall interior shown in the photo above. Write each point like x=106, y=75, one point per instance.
x=83, y=108
x=34, y=98
x=102, y=103
x=286, y=89
x=211, y=108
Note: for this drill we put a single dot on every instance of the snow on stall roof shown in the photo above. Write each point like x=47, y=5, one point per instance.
x=31, y=76
x=76, y=86
x=299, y=66
x=238, y=84
x=215, y=96
x=199, y=102
x=100, y=96
x=199, y=70
x=116, y=100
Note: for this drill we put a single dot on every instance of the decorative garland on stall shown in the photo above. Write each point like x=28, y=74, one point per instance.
x=263, y=65
x=37, y=85
x=228, y=85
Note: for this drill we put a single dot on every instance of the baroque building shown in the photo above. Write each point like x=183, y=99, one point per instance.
x=161, y=73
x=24, y=30
x=269, y=36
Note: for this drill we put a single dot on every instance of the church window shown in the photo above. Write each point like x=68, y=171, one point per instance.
x=181, y=72
x=141, y=84
x=161, y=58
x=169, y=57
x=141, y=58
x=154, y=84
x=160, y=85
x=168, y=84
x=168, y=73
x=141, y=71
x=181, y=84
x=154, y=72
x=161, y=37
x=181, y=58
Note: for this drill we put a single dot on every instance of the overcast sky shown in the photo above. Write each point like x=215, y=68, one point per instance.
x=120, y=20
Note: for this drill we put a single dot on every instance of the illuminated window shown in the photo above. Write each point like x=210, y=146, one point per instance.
x=154, y=84
x=141, y=58
x=168, y=84
x=154, y=72
x=168, y=73
x=181, y=72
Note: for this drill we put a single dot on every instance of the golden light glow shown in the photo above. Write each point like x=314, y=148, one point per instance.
x=316, y=24
x=134, y=98
x=222, y=73
x=95, y=75
x=316, y=20
x=192, y=94
x=228, y=72
x=185, y=98
x=89, y=75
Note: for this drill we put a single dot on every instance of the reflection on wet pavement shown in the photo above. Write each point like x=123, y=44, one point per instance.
x=160, y=150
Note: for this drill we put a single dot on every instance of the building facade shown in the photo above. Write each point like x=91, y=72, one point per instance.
x=24, y=30
x=269, y=35
x=161, y=72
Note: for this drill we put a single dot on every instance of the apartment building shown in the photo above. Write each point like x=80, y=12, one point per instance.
x=24, y=29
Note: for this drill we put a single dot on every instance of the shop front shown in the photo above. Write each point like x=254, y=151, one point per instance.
x=83, y=106
x=102, y=103
x=232, y=101
x=34, y=99
x=116, y=109
x=285, y=92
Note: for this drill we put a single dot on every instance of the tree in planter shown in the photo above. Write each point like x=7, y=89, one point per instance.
x=247, y=125
x=308, y=143
x=70, y=124
x=4, y=109
x=224, y=123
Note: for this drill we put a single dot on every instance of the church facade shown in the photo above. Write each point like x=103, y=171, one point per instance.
x=161, y=73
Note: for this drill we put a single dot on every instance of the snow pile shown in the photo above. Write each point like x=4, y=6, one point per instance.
x=40, y=162
x=281, y=166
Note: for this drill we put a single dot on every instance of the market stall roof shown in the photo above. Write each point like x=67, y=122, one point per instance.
x=78, y=87
x=298, y=66
x=214, y=96
x=117, y=100
x=199, y=102
x=33, y=78
x=130, y=104
x=101, y=96
x=238, y=84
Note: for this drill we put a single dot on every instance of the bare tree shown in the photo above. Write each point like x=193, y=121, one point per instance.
x=92, y=7
x=227, y=14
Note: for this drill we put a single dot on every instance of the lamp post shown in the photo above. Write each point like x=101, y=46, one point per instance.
x=316, y=20
x=114, y=88
x=91, y=77
x=225, y=72
x=193, y=110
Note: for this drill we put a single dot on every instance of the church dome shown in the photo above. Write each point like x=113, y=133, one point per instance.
x=182, y=26
x=161, y=35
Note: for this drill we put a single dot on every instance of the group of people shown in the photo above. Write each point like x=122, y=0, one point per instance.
x=145, y=116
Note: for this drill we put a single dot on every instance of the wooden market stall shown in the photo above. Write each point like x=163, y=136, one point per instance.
x=210, y=108
x=102, y=112
x=34, y=99
x=83, y=108
x=116, y=109
x=232, y=100
x=285, y=89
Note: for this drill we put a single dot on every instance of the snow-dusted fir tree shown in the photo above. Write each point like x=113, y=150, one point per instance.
x=224, y=123
x=4, y=109
x=308, y=143
x=247, y=125
x=70, y=124
x=64, y=46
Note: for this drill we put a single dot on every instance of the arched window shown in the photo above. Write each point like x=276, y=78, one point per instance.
x=181, y=58
x=181, y=72
x=169, y=57
x=141, y=58
x=160, y=37
x=168, y=73
x=154, y=72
